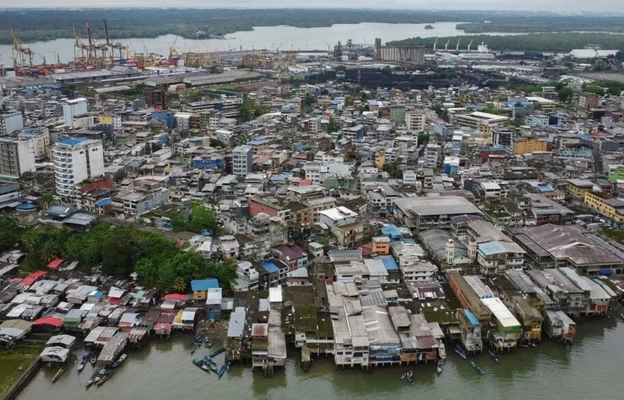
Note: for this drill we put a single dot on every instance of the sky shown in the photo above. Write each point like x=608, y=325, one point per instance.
x=557, y=6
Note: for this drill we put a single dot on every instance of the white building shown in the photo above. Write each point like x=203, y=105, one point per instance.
x=11, y=122
x=40, y=139
x=183, y=121
x=242, y=160
x=76, y=160
x=73, y=108
x=415, y=120
x=338, y=216
x=16, y=157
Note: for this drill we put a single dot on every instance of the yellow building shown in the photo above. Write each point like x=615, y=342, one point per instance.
x=200, y=288
x=578, y=187
x=529, y=145
x=380, y=160
x=611, y=209
x=105, y=119
x=381, y=245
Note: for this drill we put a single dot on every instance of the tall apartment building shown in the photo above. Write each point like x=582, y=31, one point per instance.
x=10, y=122
x=415, y=120
x=75, y=160
x=40, y=139
x=16, y=157
x=242, y=160
x=73, y=108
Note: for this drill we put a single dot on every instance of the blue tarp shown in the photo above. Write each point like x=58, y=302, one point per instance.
x=471, y=317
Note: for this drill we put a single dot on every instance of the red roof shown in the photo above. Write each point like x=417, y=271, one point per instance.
x=33, y=277
x=37, y=274
x=114, y=300
x=301, y=156
x=54, y=264
x=305, y=182
x=56, y=322
x=176, y=296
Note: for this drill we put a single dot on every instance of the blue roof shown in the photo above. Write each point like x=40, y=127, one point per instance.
x=408, y=241
x=390, y=263
x=269, y=266
x=391, y=230
x=471, y=317
x=27, y=206
x=72, y=141
x=256, y=142
x=103, y=202
x=204, y=284
x=491, y=248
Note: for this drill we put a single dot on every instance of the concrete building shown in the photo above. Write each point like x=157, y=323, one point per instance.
x=428, y=212
x=75, y=160
x=529, y=145
x=242, y=160
x=10, y=122
x=415, y=120
x=73, y=108
x=16, y=158
x=40, y=139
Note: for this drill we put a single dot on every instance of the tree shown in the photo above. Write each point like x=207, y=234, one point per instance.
x=9, y=234
x=46, y=199
x=309, y=100
x=202, y=218
x=565, y=94
x=333, y=126
x=423, y=139
x=387, y=71
x=250, y=110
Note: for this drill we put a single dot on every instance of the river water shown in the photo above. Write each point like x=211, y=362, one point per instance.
x=591, y=369
x=283, y=37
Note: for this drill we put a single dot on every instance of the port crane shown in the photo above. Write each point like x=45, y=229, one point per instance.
x=20, y=52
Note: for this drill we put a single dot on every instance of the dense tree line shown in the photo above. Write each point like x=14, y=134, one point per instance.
x=119, y=250
x=36, y=25
x=550, y=42
x=533, y=23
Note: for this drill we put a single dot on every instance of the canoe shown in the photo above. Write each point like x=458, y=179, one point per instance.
x=83, y=362
x=440, y=366
x=222, y=370
x=207, y=341
x=461, y=354
x=442, y=351
x=119, y=361
x=477, y=368
x=494, y=356
x=92, y=379
x=210, y=360
x=58, y=375
x=105, y=377
x=213, y=367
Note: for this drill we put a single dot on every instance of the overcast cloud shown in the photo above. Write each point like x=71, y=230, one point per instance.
x=557, y=6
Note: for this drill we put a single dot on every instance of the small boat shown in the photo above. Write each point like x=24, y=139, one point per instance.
x=461, y=354
x=227, y=366
x=222, y=370
x=92, y=379
x=202, y=364
x=93, y=359
x=524, y=345
x=442, y=351
x=216, y=352
x=120, y=360
x=494, y=356
x=479, y=370
x=195, y=346
x=440, y=366
x=103, y=372
x=105, y=377
x=58, y=375
x=197, y=339
x=83, y=362
x=210, y=360
x=213, y=367
x=207, y=341
x=532, y=344
x=410, y=377
x=404, y=376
